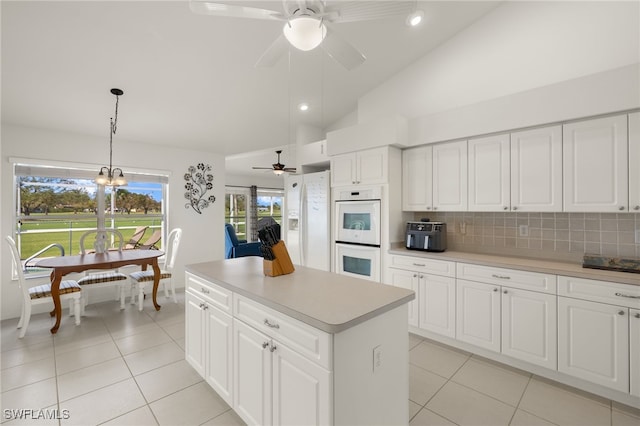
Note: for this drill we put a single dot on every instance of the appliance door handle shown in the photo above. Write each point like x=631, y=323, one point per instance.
x=302, y=226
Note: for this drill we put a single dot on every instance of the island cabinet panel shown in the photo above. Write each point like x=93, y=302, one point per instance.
x=299, y=353
x=634, y=350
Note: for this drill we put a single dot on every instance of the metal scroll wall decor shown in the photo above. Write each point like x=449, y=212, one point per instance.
x=199, y=181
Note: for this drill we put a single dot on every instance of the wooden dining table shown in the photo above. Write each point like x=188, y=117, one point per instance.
x=64, y=265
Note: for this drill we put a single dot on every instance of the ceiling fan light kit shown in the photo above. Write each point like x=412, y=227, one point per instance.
x=304, y=33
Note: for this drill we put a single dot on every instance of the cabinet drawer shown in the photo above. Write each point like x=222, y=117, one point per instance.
x=600, y=291
x=544, y=283
x=212, y=293
x=422, y=264
x=310, y=342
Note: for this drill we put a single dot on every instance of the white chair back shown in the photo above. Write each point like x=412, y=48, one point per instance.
x=114, y=233
x=17, y=264
x=172, y=248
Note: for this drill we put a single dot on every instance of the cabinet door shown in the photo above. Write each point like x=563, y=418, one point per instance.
x=478, y=314
x=450, y=176
x=371, y=166
x=301, y=389
x=417, y=193
x=593, y=342
x=529, y=327
x=437, y=297
x=251, y=374
x=409, y=280
x=343, y=169
x=634, y=162
x=634, y=350
x=536, y=170
x=489, y=173
x=219, y=353
x=595, y=161
x=195, y=336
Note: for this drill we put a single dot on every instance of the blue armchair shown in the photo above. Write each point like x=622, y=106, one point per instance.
x=233, y=247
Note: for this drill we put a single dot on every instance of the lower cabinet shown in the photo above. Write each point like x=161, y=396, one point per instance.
x=478, y=314
x=409, y=280
x=634, y=350
x=275, y=385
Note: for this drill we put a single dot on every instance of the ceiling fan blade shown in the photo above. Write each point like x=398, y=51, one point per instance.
x=273, y=53
x=262, y=168
x=204, y=7
x=352, y=11
x=289, y=169
x=341, y=50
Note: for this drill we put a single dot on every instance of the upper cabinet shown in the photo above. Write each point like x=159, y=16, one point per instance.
x=595, y=160
x=311, y=155
x=417, y=188
x=536, y=170
x=634, y=162
x=370, y=166
x=489, y=175
x=450, y=176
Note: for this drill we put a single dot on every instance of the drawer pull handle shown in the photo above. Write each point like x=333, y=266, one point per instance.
x=419, y=264
x=204, y=290
x=627, y=295
x=502, y=277
x=268, y=324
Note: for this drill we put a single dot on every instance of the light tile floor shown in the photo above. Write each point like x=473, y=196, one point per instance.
x=128, y=368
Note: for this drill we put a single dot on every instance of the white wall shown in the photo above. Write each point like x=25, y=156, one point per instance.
x=518, y=47
x=202, y=238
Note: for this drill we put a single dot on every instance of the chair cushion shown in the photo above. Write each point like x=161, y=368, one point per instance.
x=102, y=277
x=66, y=287
x=148, y=275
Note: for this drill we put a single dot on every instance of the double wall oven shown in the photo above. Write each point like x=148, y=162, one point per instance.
x=357, y=232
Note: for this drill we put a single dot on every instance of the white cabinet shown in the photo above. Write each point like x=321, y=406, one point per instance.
x=634, y=351
x=208, y=335
x=595, y=331
x=489, y=173
x=595, y=165
x=312, y=153
x=509, y=311
x=634, y=162
x=536, y=170
x=434, y=284
x=417, y=186
x=594, y=342
x=529, y=326
x=478, y=314
x=364, y=167
x=450, y=176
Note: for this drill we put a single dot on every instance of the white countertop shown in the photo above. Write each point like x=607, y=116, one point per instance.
x=528, y=264
x=324, y=300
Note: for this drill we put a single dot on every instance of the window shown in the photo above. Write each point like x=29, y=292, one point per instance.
x=269, y=203
x=55, y=205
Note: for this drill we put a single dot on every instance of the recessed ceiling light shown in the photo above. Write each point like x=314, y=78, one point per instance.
x=415, y=18
x=303, y=106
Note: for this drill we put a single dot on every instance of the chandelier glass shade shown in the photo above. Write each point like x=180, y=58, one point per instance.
x=305, y=33
x=110, y=176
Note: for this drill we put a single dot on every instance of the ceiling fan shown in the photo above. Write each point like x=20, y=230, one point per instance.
x=277, y=168
x=309, y=23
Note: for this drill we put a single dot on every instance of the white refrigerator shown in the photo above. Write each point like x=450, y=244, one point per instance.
x=307, y=219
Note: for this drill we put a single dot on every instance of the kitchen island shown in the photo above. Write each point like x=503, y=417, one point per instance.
x=311, y=347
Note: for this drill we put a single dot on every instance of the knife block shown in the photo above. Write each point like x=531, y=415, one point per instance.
x=281, y=265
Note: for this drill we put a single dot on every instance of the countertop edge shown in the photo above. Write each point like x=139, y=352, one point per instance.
x=527, y=264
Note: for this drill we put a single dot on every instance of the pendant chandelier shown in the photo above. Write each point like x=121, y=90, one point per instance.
x=114, y=176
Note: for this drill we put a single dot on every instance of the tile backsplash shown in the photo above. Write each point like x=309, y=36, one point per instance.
x=561, y=236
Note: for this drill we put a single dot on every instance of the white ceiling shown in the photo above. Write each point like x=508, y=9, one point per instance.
x=189, y=79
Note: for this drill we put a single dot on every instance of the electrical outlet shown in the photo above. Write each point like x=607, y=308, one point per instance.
x=523, y=230
x=377, y=358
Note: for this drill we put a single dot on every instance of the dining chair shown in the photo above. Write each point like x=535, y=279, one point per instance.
x=100, y=278
x=134, y=241
x=140, y=279
x=69, y=290
x=152, y=241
